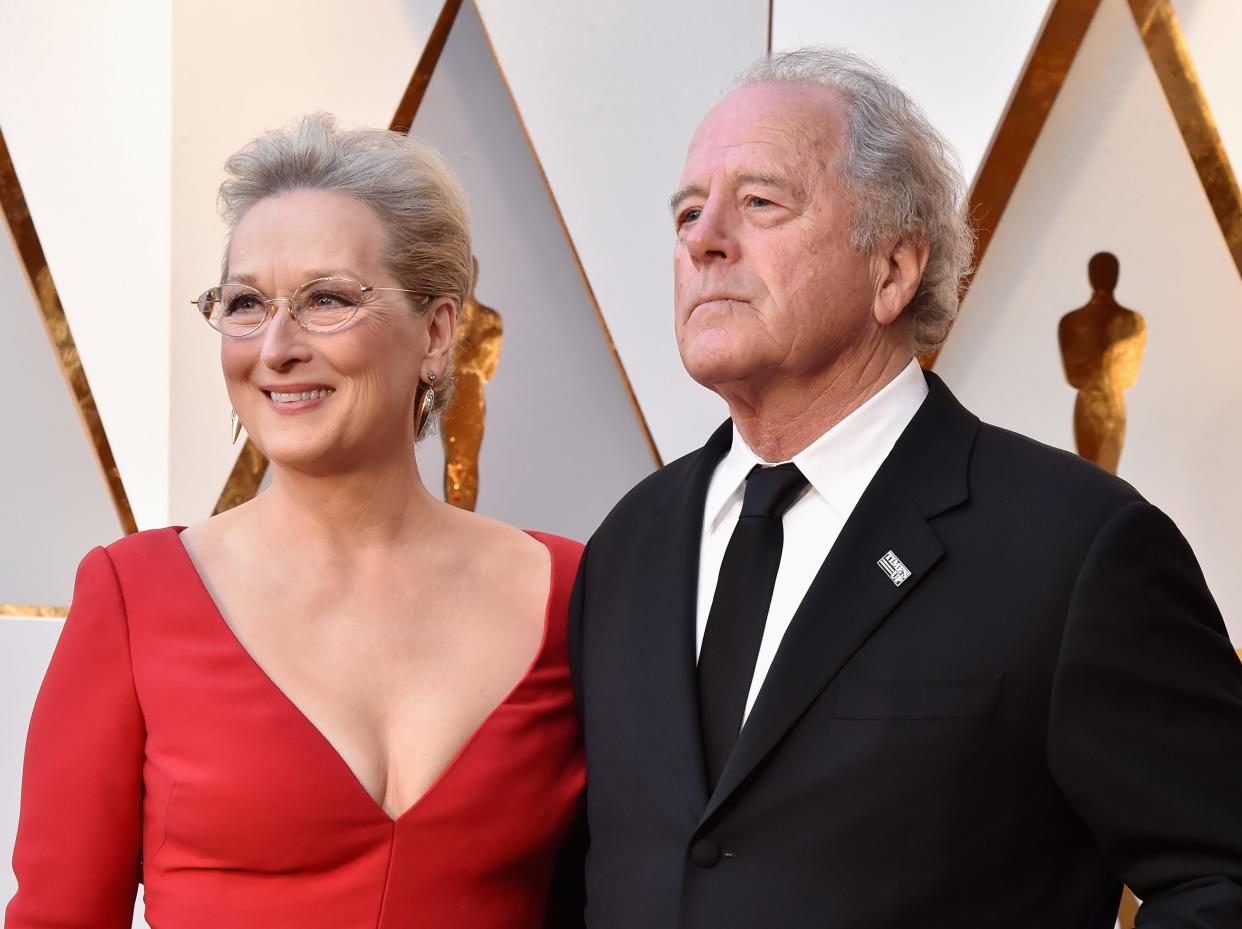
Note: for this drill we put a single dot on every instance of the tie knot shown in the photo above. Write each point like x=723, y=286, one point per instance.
x=771, y=491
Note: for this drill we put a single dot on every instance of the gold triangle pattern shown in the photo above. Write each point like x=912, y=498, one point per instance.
x=31, y=611
x=247, y=474
x=1037, y=89
x=1019, y=129
x=30, y=251
x=1166, y=47
x=248, y=471
x=573, y=250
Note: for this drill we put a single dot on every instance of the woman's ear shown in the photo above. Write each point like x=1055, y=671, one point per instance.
x=441, y=330
x=899, y=273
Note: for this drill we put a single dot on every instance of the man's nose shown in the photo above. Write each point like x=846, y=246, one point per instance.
x=284, y=340
x=711, y=236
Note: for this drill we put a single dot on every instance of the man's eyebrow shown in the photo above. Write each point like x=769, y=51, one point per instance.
x=761, y=180
x=676, y=200
x=740, y=179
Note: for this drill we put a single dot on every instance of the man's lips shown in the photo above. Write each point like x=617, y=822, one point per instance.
x=712, y=300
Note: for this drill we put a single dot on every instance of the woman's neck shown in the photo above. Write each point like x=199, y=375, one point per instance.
x=380, y=504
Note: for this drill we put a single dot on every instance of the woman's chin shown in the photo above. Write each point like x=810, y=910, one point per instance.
x=308, y=453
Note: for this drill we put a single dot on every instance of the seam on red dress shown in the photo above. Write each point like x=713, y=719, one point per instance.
x=167, y=812
x=392, y=851
x=129, y=639
x=133, y=683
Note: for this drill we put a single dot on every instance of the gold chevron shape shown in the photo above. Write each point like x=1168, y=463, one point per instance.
x=248, y=471
x=1036, y=92
x=29, y=251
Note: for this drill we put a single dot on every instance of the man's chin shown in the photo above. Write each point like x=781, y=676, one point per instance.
x=714, y=369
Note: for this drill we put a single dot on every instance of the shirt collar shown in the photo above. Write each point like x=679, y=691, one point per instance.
x=840, y=463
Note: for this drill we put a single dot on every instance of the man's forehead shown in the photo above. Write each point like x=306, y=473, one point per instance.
x=777, y=121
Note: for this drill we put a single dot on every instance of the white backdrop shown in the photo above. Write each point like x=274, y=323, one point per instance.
x=219, y=104
x=1111, y=173
x=127, y=110
x=562, y=442
x=57, y=505
x=86, y=110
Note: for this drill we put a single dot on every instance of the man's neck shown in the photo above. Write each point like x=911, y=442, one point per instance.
x=778, y=419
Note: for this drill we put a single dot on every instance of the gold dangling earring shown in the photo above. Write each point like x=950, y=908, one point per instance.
x=234, y=425
x=424, y=412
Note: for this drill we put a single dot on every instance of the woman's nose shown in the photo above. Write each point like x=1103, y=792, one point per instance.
x=284, y=339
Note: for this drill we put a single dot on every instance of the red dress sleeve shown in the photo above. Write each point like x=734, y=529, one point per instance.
x=79, y=836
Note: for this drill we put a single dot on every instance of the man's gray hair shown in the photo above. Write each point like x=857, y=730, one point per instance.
x=902, y=176
x=414, y=194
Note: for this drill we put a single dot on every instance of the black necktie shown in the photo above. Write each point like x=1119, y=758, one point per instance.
x=740, y=609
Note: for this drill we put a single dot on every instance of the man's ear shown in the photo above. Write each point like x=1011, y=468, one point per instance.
x=899, y=270
x=441, y=329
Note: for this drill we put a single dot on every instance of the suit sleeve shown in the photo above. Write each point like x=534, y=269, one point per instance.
x=79, y=836
x=577, y=610
x=567, y=900
x=1145, y=729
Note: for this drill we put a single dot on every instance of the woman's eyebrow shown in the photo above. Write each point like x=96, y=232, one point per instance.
x=312, y=275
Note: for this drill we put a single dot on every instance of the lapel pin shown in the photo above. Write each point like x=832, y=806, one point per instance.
x=893, y=566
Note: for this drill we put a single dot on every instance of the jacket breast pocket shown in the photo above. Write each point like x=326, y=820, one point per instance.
x=947, y=698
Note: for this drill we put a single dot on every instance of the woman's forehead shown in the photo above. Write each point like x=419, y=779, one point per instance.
x=304, y=232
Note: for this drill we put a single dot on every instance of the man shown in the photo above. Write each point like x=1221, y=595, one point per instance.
x=922, y=671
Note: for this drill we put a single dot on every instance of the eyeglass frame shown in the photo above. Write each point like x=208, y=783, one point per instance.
x=288, y=301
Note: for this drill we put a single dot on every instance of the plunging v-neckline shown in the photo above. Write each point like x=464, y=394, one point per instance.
x=376, y=805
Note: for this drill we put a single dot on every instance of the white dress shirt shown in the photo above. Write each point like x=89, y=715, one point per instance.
x=838, y=465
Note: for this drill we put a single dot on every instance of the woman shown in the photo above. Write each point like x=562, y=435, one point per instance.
x=344, y=703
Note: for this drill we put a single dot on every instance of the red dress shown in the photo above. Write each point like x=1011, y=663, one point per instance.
x=159, y=751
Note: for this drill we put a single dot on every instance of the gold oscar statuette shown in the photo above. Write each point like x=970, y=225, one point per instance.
x=1102, y=345
x=479, y=335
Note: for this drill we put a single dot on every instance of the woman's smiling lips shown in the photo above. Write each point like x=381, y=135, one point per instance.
x=296, y=398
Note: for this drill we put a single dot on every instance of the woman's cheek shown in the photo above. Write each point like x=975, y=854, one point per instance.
x=236, y=363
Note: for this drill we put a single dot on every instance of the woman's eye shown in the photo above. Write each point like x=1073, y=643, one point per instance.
x=243, y=304
x=323, y=299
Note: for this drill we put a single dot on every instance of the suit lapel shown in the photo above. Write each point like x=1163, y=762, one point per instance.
x=852, y=595
x=667, y=607
x=849, y=598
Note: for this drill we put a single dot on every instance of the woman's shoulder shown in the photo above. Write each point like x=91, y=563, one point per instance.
x=142, y=566
x=144, y=548
x=565, y=554
x=504, y=540
x=563, y=549
x=525, y=556
x=122, y=575
x=539, y=547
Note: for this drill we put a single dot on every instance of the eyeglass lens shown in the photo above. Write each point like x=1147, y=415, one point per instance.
x=321, y=305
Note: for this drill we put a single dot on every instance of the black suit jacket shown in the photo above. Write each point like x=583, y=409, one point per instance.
x=1048, y=706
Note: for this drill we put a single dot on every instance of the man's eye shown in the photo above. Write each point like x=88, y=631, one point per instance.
x=689, y=216
x=758, y=201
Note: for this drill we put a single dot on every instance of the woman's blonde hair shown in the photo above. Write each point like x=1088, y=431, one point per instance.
x=413, y=192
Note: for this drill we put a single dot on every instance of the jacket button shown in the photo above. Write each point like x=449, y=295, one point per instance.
x=705, y=853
